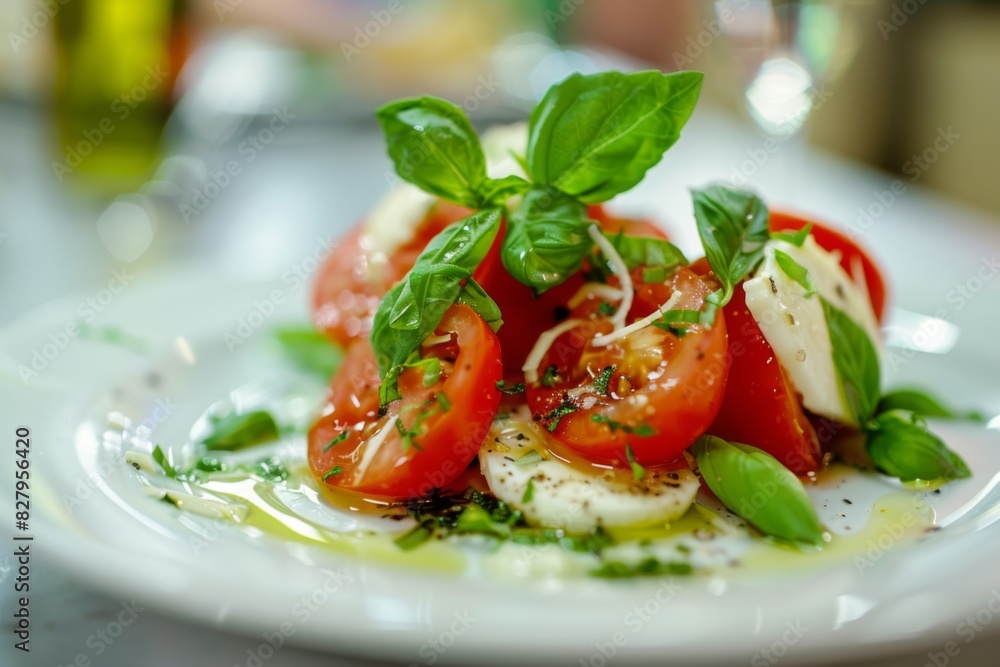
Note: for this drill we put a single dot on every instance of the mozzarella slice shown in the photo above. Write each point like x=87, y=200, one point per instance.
x=795, y=326
x=576, y=501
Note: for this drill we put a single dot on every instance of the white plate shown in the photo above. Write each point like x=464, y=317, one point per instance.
x=90, y=515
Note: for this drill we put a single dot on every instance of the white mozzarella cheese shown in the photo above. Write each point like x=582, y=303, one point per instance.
x=575, y=500
x=795, y=326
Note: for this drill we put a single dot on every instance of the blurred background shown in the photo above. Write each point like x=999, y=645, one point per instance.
x=217, y=125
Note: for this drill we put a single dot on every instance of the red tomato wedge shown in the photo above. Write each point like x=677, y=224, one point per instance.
x=761, y=407
x=422, y=441
x=652, y=391
x=850, y=253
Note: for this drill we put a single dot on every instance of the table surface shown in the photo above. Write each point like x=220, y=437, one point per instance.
x=311, y=182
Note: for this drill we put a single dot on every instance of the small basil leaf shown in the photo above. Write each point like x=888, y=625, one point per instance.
x=900, y=445
x=648, y=251
x=595, y=136
x=413, y=308
x=495, y=192
x=310, y=350
x=796, y=238
x=796, y=272
x=922, y=404
x=433, y=145
x=856, y=362
x=732, y=225
x=238, y=431
x=754, y=485
x=546, y=239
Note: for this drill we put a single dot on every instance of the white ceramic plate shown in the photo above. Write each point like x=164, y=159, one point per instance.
x=89, y=513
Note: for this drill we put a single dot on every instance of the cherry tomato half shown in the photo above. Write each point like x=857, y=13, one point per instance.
x=652, y=391
x=422, y=441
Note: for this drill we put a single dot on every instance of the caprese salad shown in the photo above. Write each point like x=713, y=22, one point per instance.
x=521, y=363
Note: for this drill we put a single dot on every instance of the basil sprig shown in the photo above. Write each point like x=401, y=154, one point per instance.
x=595, y=136
x=757, y=487
x=441, y=276
x=732, y=224
x=897, y=440
x=589, y=139
x=434, y=146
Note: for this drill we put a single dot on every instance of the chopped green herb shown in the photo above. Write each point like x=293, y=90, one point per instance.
x=602, y=381
x=648, y=567
x=412, y=539
x=641, y=430
x=606, y=309
x=553, y=418
x=510, y=391
x=310, y=350
x=796, y=272
x=654, y=274
x=339, y=439
x=335, y=470
x=209, y=464
x=431, y=367
x=796, y=239
x=527, y=459
x=273, y=470
x=238, y=431
x=637, y=470
x=550, y=376
x=443, y=402
x=529, y=491
x=160, y=457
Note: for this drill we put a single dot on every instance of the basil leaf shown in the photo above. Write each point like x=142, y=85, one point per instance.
x=474, y=296
x=546, y=239
x=754, y=485
x=238, y=431
x=922, y=404
x=647, y=251
x=595, y=136
x=732, y=225
x=855, y=360
x=441, y=276
x=434, y=146
x=796, y=272
x=310, y=350
x=900, y=445
x=496, y=191
x=796, y=238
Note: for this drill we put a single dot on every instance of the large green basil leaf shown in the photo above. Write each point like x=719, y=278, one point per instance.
x=900, y=445
x=755, y=485
x=595, y=136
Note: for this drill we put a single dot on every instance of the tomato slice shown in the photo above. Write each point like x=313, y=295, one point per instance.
x=652, y=391
x=422, y=441
x=850, y=253
x=761, y=407
x=631, y=226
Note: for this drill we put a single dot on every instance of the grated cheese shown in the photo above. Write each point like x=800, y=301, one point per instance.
x=619, y=268
x=542, y=346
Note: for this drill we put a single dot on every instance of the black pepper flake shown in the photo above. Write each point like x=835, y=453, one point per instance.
x=774, y=288
x=848, y=501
